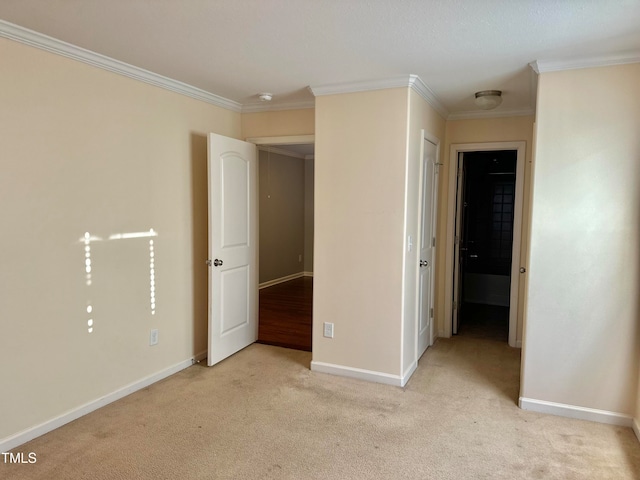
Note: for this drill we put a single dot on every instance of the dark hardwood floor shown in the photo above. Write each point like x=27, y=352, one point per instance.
x=285, y=314
x=484, y=321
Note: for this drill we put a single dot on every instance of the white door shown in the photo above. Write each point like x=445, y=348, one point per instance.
x=459, y=249
x=428, y=209
x=233, y=246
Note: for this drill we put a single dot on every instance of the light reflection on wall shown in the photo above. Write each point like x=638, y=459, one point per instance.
x=87, y=240
x=87, y=269
x=87, y=257
x=152, y=277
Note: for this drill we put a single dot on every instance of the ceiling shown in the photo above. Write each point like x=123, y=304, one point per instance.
x=238, y=49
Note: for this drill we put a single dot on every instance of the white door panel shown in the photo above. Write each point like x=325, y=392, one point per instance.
x=233, y=280
x=428, y=195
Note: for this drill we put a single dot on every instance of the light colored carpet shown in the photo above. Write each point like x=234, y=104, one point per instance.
x=262, y=414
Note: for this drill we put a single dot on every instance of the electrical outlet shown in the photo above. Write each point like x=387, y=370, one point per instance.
x=328, y=330
x=153, y=337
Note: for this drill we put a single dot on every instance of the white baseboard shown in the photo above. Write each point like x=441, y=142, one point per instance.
x=359, y=373
x=408, y=372
x=29, y=434
x=636, y=428
x=308, y=274
x=276, y=281
x=573, y=411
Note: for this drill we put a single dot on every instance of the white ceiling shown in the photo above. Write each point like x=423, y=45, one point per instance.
x=237, y=49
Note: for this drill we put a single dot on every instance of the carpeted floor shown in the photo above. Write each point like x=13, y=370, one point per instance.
x=262, y=414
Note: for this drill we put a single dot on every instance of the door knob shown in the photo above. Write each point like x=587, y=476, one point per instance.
x=424, y=263
x=523, y=270
x=217, y=263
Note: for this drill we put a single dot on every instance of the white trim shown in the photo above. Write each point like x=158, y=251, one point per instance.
x=636, y=428
x=518, y=344
x=359, y=373
x=472, y=114
x=286, y=140
x=53, y=45
x=573, y=411
x=308, y=274
x=274, y=107
x=408, y=372
x=517, y=229
x=276, y=281
x=29, y=434
x=544, y=66
x=427, y=94
x=411, y=81
x=282, y=151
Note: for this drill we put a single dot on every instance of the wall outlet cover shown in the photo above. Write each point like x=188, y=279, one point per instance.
x=153, y=337
x=328, y=330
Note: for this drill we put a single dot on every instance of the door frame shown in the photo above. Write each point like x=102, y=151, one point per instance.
x=284, y=140
x=456, y=149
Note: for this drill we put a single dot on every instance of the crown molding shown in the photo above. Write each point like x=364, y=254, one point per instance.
x=427, y=94
x=59, y=47
x=269, y=107
x=411, y=81
x=471, y=114
x=544, y=66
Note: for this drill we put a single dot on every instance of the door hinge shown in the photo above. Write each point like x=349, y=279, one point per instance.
x=455, y=304
x=431, y=312
x=433, y=242
x=456, y=240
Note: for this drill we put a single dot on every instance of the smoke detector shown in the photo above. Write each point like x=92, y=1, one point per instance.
x=265, y=97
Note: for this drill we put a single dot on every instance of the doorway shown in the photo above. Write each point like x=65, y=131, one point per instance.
x=484, y=233
x=482, y=266
x=285, y=241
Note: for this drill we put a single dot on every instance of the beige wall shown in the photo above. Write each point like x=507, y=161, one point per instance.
x=581, y=332
x=282, y=215
x=85, y=150
x=308, y=214
x=278, y=123
x=359, y=219
x=501, y=129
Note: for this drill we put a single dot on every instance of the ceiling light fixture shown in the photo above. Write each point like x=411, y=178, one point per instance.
x=488, y=99
x=265, y=97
